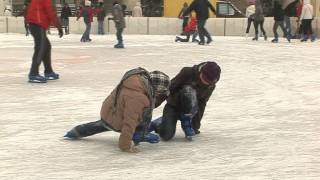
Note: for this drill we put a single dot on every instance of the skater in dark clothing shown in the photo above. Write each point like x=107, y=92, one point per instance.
x=118, y=18
x=201, y=7
x=189, y=92
x=100, y=17
x=190, y=29
x=87, y=13
x=278, y=13
x=128, y=109
x=40, y=16
x=65, y=14
x=259, y=21
x=186, y=17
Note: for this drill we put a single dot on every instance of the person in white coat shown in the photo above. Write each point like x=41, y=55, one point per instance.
x=137, y=10
x=251, y=9
x=306, y=20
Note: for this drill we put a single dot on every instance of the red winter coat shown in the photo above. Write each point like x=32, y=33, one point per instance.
x=91, y=12
x=191, y=26
x=42, y=13
x=299, y=9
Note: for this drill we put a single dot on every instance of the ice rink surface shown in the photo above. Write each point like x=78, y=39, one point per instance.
x=262, y=121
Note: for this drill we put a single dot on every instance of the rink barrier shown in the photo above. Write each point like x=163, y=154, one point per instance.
x=158, y=26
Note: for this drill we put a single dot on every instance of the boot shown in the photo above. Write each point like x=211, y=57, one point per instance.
x=265, y=37
x=289, y=38
x=255, y=38
x=119, y=45
x=155, y=125
x=305, y=38
x=275, y=40
x=313, y=38
x=187, y=127
x=72, y=135
x=149, y=137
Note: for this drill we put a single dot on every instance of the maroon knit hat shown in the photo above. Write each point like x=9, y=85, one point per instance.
x=211, y=71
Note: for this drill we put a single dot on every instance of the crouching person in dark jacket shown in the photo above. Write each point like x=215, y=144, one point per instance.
x=189, y=92
x=128, y=109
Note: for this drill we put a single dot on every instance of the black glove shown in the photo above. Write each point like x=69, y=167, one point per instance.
x=60, y=32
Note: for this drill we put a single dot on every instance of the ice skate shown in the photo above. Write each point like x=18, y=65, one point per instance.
x=187, y=127
x=149, y=137
x=37, y=79
x=119, y=45
x=72, y=135
x=51, y=76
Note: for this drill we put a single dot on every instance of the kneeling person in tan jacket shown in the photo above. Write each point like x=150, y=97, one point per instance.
x=128, y=109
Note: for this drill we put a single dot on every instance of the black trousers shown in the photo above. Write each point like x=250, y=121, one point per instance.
x=203, y=31
x=91, y=128
x=256, y=27
x=307, y=26
x=42, y=50
x=250, y=20
x=119, y=35
x=185, y=22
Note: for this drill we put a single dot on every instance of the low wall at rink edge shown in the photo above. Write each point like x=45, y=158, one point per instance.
x=158, y=26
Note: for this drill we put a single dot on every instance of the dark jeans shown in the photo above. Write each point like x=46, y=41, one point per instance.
x=256, y=28
x=275, y=28
x=250, y=20
x=42, y=50
x=101, y=27
x=187, y=97
x=287, y=24
x=91, y=128
x=203, y=31
x=86, y=34
x=119, y=35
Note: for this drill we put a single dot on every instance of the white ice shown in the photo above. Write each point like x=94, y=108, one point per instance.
x=262, y=121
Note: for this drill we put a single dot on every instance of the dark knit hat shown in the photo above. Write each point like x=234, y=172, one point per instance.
x=160, y=82
x=211, y=71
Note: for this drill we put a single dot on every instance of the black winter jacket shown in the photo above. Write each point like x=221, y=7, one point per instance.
x=201, y=7
x=190, y=76
x=278, y=12
x=66, y=12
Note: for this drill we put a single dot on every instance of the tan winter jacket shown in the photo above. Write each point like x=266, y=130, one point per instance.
x=126, y=116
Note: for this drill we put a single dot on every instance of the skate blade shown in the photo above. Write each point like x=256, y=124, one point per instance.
x=189, y=138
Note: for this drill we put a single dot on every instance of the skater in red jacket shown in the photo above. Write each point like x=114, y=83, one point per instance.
x=190, y=29
x=40, y=15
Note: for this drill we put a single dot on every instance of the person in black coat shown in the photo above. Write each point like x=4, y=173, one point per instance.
x=65, y=14
x=278, y=14
x=201, y=7
x=189, y=92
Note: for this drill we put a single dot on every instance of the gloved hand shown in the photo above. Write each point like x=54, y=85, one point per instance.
x=60, y=32
x=149, y=137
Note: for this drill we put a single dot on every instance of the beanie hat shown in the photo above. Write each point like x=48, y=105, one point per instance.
x=160, y=82
x=211, y=72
